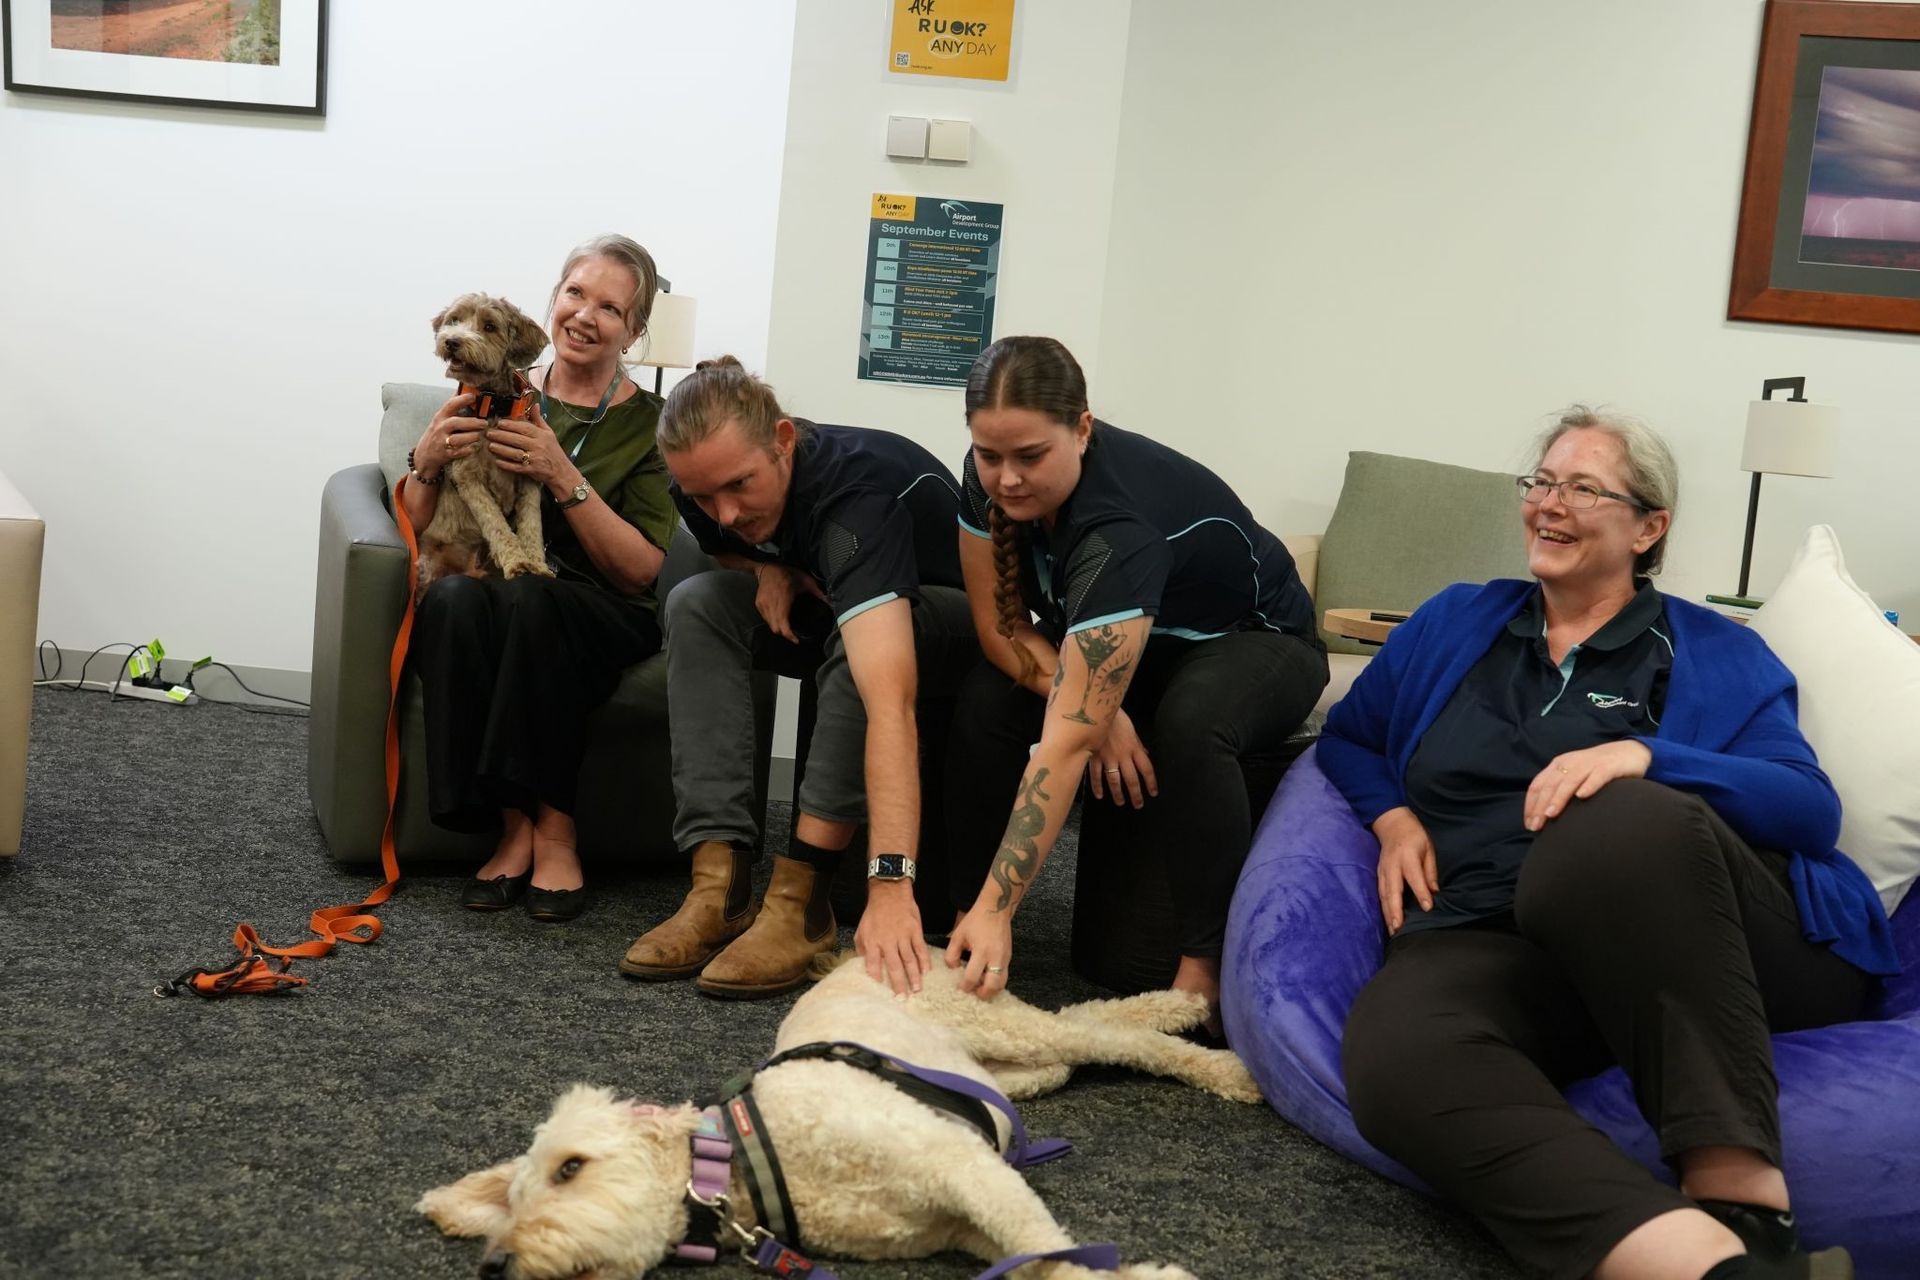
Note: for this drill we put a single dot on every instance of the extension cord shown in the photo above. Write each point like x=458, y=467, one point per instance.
x=153, y=694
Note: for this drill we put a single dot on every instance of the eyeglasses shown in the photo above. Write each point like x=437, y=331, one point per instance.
x=1572, y=492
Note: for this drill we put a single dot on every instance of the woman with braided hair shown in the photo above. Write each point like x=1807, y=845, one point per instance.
x=1173, y=638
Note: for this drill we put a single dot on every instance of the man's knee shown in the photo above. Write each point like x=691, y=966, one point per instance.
x=706, y=596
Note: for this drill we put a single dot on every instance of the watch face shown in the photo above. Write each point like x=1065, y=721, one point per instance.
x=580, y=492
x=891, y=866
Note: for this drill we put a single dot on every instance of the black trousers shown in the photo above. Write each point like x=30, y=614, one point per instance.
x=1645, y=933
x=509, y=669
x=1199, y=706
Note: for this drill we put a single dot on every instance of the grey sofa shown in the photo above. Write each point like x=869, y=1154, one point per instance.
x=626, y=794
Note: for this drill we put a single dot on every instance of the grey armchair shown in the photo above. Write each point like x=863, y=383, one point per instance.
x=626, y=788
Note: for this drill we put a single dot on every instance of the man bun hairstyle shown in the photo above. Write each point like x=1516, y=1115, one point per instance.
x=1034, y=373
x=718, y=391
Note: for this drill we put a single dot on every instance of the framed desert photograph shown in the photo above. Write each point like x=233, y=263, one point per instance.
x=1830, y=214
x=255, y=55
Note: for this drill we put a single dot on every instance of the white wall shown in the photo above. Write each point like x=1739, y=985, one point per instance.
x=1043, y=145
x=198, y=307
x=1418, y=228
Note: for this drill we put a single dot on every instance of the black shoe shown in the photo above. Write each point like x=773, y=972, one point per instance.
x=556, y=906
x=1773, y=1243
x=496, y=894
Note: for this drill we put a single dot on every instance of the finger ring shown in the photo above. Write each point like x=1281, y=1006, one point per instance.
x=1113, y=771
x=526, y=457
x=994, y=968
x=1562, y=768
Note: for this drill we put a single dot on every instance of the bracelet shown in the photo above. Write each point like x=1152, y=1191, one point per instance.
x=416, y=474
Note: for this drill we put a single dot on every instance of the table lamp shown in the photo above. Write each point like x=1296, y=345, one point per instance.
x=1790, y=437
x=668, y=343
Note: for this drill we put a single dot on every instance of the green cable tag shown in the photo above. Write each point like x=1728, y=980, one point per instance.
x=179, y=693
x=158, y=650
x=140, y=664
x=203, y=662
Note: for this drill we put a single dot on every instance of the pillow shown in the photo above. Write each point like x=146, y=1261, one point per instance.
x=1859, y=705
x=1404, y=528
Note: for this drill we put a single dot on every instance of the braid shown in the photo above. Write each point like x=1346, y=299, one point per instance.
x=1007, y=543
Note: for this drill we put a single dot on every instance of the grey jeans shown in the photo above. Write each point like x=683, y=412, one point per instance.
x=716, y=638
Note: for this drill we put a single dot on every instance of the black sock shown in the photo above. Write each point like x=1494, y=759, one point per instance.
x=824, y=863
x=1728, y=1268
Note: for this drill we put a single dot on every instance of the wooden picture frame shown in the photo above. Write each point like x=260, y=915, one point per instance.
x=1833, y=76
x=247, y=55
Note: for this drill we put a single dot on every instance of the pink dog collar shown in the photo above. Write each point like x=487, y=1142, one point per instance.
x=712, y=1173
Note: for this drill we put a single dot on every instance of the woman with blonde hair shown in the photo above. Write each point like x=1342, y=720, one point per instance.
x=509, y=668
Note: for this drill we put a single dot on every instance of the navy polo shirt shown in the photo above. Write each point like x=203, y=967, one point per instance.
x=1150, y=531
x=1516, y=710
x=869, y=515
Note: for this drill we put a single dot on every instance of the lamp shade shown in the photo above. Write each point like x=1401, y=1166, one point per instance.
x=1790, y=438
x=668, y=343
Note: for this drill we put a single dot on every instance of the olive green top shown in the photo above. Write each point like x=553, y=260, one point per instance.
x=621, y=459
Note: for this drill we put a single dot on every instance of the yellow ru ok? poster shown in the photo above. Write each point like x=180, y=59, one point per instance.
x=971, y=39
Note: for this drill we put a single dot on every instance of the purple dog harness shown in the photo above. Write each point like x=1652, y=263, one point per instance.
x=731, y=1130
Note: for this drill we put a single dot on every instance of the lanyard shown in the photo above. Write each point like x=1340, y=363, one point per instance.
x=546, y=408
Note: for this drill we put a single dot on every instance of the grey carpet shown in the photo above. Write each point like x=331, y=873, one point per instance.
x=289, y=1136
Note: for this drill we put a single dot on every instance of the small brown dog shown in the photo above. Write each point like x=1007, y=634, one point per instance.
x=485, y=341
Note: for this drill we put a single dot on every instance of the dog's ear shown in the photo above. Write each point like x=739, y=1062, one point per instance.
x=439, y=318
x=528, y=341
x=474, y=1206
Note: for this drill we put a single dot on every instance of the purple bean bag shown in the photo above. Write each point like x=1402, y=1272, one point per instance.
x=1304, y=935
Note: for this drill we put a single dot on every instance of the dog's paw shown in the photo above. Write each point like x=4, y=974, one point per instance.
x=526, y=566
x=1168, y=1010
x=1224, y=1074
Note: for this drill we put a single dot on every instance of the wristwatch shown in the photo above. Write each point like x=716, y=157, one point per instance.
x=892, y=866
x=581, y=492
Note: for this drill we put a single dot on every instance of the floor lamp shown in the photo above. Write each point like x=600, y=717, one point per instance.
x=668, y=343
x=1790, y=437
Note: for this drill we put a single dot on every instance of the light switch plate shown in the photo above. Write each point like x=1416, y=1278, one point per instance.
x=950, y=140
x=907, y=137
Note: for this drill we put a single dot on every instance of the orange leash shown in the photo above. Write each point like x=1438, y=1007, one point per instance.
x=262, y=969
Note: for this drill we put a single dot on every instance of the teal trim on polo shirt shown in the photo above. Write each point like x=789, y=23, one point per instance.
x=1566, y=678
x=978, y=533
x=861, y=608
x=1187, y=633
x=1107, y=619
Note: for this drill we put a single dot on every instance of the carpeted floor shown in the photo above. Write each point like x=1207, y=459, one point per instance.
x=288, y=1137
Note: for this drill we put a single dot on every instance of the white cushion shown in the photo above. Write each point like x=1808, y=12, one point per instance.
x=1859, y=705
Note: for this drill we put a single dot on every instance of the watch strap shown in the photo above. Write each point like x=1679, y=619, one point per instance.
x=581, y=492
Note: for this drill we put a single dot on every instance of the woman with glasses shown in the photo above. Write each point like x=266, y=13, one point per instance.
x=1603, y=840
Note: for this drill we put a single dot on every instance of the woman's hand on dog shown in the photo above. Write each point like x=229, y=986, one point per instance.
x=985, y=938
x=889, y=937
x=531, y=449
x=452, y=434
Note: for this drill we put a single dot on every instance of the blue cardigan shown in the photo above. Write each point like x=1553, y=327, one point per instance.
x=1731, y=735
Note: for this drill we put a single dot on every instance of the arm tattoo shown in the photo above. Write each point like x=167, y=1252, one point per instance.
x=1019, y=854
x=1097, y=648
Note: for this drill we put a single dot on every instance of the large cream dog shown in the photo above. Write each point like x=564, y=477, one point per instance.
x=871, y=1172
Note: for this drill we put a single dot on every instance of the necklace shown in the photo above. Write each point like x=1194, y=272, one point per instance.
x=548, y=405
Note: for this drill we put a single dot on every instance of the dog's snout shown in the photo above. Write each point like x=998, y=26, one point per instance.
x=452, y=345
x=494, y=1266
